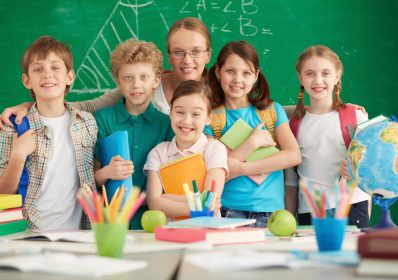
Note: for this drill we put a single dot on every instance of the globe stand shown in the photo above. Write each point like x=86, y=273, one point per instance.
x=385, y=220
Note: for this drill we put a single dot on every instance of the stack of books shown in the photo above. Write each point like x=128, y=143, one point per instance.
x=216, y=231
x=11, y=217
x=379, y=253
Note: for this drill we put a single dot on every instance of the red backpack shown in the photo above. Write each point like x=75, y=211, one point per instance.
x=348, y=122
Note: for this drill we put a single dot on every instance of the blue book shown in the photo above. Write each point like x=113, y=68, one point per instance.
x=113, y=145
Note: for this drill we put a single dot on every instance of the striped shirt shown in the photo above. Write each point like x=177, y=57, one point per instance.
x=83, y=130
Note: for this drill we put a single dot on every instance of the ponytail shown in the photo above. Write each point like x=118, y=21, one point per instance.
x=260, y=94
x=337, y=102
x=299, y=111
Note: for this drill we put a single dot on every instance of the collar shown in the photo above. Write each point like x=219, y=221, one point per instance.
x=37, y=124
x=198, y=147
x=123, y=115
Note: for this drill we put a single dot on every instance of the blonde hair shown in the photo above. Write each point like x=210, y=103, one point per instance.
x=40, y=49
x=323, y=52
x=133, y=51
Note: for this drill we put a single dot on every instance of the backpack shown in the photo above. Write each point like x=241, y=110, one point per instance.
x=348, y=122
x=267, y=116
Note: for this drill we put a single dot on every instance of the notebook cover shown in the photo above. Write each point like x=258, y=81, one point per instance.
x=379, y=244
x=183, y=170
x=10, y=201
x=112, y=145
x=213, y=236
x=236, y=135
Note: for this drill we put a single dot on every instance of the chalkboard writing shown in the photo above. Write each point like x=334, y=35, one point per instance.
x=363, y=32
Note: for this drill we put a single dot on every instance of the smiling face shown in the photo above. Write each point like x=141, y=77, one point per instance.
x=318, y=75
x=48, y=78
x=237, y=78
x=137, y=82
x=188, y=68
x=189, y=115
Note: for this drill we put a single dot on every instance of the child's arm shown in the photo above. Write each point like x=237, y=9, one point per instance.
x=117, y=169
x=107, y=99
x=21, y=110
x=171, y=206
x=288, y=156
x=22, y=147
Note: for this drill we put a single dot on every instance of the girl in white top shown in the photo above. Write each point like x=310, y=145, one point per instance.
x=320, y=136
x=190, y=112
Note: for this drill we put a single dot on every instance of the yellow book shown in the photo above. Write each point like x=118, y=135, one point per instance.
x=10, y=201
x=183, y=170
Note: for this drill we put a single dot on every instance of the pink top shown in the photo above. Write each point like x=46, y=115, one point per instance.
x=214, y=154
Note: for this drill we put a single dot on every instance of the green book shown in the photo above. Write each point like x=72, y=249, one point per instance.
x=13, y=227
x=238, y=133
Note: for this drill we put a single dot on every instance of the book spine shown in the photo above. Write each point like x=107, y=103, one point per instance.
x=13, y=227
x=378, y=248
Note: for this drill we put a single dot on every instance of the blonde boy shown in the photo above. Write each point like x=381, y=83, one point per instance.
x=58, y=149
x=136, y=67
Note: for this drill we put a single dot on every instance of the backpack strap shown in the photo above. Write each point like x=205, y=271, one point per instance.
x=348, y=122
x=218, y=121
x=295, y=125
x=269, y=117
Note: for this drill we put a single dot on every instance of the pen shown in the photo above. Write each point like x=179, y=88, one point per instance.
x=189, y=196
x=196, y=196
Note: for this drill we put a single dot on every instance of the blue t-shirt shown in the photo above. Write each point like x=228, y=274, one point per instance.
x=241, y=193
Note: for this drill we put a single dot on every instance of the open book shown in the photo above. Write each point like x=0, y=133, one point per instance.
x=236, y=135
x=362, y=125
x=69, y=264
x=79, y=236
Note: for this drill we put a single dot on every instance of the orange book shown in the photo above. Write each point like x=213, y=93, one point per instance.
x=183, y=170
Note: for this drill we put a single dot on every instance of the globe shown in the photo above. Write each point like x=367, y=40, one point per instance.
x=372, y=159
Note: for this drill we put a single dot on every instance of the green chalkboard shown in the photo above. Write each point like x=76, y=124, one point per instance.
x=363, y=32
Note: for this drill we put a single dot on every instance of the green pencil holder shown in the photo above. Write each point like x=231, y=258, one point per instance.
x=110, y=239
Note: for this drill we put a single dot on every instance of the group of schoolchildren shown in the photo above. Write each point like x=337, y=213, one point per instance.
x=171, y=114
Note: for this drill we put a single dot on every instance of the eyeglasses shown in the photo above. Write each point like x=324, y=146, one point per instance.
x=195, y=53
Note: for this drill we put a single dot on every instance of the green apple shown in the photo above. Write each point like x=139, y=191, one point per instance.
x=282, y=223
x=153, y=218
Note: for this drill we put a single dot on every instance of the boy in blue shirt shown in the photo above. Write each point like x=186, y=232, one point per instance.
x=136, y=67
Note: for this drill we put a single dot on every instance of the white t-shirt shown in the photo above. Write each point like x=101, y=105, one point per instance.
x=322, y=152
x=57, y=201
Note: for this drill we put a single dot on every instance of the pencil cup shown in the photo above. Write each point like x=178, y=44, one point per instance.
x=329, y=233
x=201, y=213
x=110, y=238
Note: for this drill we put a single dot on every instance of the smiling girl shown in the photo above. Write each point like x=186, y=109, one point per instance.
x=321, y=133
x=190, y=112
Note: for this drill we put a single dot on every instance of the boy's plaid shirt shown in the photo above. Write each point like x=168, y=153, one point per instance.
x=83, y=130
